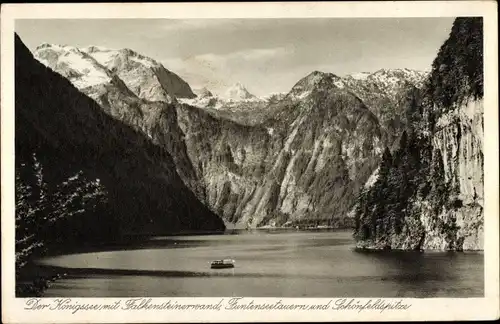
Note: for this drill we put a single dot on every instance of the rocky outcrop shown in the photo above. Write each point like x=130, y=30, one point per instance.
x=449, y=213
x=442, y=188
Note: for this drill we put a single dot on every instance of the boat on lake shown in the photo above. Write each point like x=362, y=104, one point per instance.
x=222, y=264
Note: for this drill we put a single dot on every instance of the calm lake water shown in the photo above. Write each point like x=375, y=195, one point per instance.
x=268, y=264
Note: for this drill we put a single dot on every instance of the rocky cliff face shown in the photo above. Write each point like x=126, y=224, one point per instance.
x=444, y=193
x=299, y=158
x=72, y=134
x=302, y=164
x=458, y=140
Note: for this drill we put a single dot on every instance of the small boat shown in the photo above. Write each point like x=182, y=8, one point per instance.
x=222, y=264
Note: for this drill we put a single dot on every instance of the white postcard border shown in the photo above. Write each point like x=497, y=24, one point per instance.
x=13, y=309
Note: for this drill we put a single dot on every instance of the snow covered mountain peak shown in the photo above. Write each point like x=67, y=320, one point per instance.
x=410, y=75
x=235, y=96
x=388, y=81
x=82, y=70
x=390, y=77
x=315, y=80
x=238, y=92
x=95, y=65
x=125, y=56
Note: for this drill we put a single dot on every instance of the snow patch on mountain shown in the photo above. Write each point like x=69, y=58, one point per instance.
x=339, y=84
x=387, y=80
x=372, y=179
x=315, y=81
x=301, y=95
x=90, y=74
x=82, y=70
x=360, y=75
x=235, y=98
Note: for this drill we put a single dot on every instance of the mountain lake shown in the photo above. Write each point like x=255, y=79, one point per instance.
x=269, y=263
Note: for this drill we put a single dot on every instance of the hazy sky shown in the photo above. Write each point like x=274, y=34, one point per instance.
x=266, y=55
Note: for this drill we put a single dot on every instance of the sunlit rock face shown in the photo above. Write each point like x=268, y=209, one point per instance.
x=458, y=137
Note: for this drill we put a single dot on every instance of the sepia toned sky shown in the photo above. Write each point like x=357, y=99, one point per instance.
x=266, y=55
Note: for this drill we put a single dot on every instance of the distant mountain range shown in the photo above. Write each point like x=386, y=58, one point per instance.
x=300, y=158
x=293, y=158
x=384, y=82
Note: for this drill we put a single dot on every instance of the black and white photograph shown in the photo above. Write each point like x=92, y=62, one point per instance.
x=289, y=157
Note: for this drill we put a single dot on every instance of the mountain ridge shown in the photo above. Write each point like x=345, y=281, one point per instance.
x=244, y=158
x=145, y=77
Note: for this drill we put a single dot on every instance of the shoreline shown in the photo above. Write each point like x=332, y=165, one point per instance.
x=363, y=246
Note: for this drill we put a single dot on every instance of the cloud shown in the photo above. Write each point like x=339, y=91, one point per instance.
x=219, y=71
x=199, y=72
x=262, y=54
x=254, y=54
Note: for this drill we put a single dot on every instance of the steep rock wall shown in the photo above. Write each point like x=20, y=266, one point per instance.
x=459, y=139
